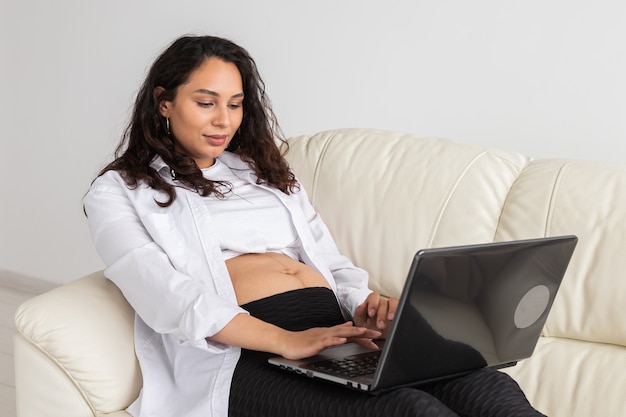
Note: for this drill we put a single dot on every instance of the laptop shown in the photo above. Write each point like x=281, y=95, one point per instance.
x=462, y=308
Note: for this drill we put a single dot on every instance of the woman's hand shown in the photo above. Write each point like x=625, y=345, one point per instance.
x=376, y=313
x=298, y=345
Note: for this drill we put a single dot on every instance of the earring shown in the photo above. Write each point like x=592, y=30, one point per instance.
x=167, y=125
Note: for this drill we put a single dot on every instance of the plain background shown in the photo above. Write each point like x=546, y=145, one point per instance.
x=541, y=77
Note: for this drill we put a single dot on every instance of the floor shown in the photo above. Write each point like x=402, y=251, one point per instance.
x=13, y=291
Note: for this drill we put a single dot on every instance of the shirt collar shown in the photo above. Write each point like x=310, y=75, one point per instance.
x=230, y=159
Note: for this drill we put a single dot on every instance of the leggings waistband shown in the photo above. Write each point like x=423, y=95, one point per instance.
x=298, y=309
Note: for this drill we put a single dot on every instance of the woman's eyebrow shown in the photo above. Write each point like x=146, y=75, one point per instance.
x=214, y=94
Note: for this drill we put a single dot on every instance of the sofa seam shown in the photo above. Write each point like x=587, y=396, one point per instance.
x=451, y=191
x=577, y=340
x=318, y=163
x=555, y=188
x=549, y=216
x=508, y=195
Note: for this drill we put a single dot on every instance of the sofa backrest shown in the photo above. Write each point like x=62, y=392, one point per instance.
x=385, y=195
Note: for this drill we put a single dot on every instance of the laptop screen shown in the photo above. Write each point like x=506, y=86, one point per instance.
x=473, y=306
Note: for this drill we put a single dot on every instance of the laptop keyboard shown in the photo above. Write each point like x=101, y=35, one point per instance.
x=350, y=367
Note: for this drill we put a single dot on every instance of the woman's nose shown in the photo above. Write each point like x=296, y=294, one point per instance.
x=222, y=118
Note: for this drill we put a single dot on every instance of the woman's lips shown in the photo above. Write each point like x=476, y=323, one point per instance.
x=216, y=140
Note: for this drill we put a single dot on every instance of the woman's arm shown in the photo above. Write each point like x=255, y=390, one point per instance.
x=166, y=299
x=251, y=333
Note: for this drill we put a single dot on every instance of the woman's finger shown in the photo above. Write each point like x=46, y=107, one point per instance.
x=383, y=309
x=373, y=302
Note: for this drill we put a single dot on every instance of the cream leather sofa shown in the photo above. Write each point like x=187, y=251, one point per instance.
x=385, y=195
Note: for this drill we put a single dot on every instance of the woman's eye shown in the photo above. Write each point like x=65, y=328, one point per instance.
x=235, y=105
x=203, y=104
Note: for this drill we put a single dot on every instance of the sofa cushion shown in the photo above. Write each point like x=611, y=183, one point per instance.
x=555, y=197
x=567, y=377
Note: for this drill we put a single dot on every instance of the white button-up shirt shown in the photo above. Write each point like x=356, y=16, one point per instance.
x=167, y=263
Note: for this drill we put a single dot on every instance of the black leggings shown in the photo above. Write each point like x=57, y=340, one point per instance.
x=260, y=390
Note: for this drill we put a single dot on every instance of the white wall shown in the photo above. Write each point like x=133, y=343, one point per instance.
x=543, y=77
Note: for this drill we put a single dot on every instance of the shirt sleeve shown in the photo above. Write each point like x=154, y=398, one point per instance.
x=166, y=299
x=351, y=281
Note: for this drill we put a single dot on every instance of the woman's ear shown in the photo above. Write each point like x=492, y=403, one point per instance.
x=164, y=105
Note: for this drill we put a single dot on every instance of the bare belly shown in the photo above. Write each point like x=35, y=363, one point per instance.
x=260, y=275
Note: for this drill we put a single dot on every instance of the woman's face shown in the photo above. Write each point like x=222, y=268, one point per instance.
x=207, y=111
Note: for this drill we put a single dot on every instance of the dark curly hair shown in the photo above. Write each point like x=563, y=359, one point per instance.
x=256, y=142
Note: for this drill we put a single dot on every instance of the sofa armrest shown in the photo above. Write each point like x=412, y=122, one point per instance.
x=74, y=351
